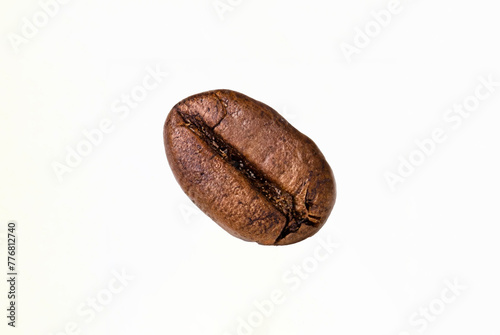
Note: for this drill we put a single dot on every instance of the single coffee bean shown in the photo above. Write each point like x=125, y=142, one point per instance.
x=247, y=168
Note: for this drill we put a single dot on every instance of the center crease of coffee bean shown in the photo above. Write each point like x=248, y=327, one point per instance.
x=280, y=199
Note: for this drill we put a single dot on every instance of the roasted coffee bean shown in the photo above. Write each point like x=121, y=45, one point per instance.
x=247, y=168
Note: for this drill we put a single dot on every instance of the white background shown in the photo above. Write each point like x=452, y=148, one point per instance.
x=121, y=210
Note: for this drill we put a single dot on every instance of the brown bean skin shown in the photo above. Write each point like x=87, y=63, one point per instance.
x=247, y=168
